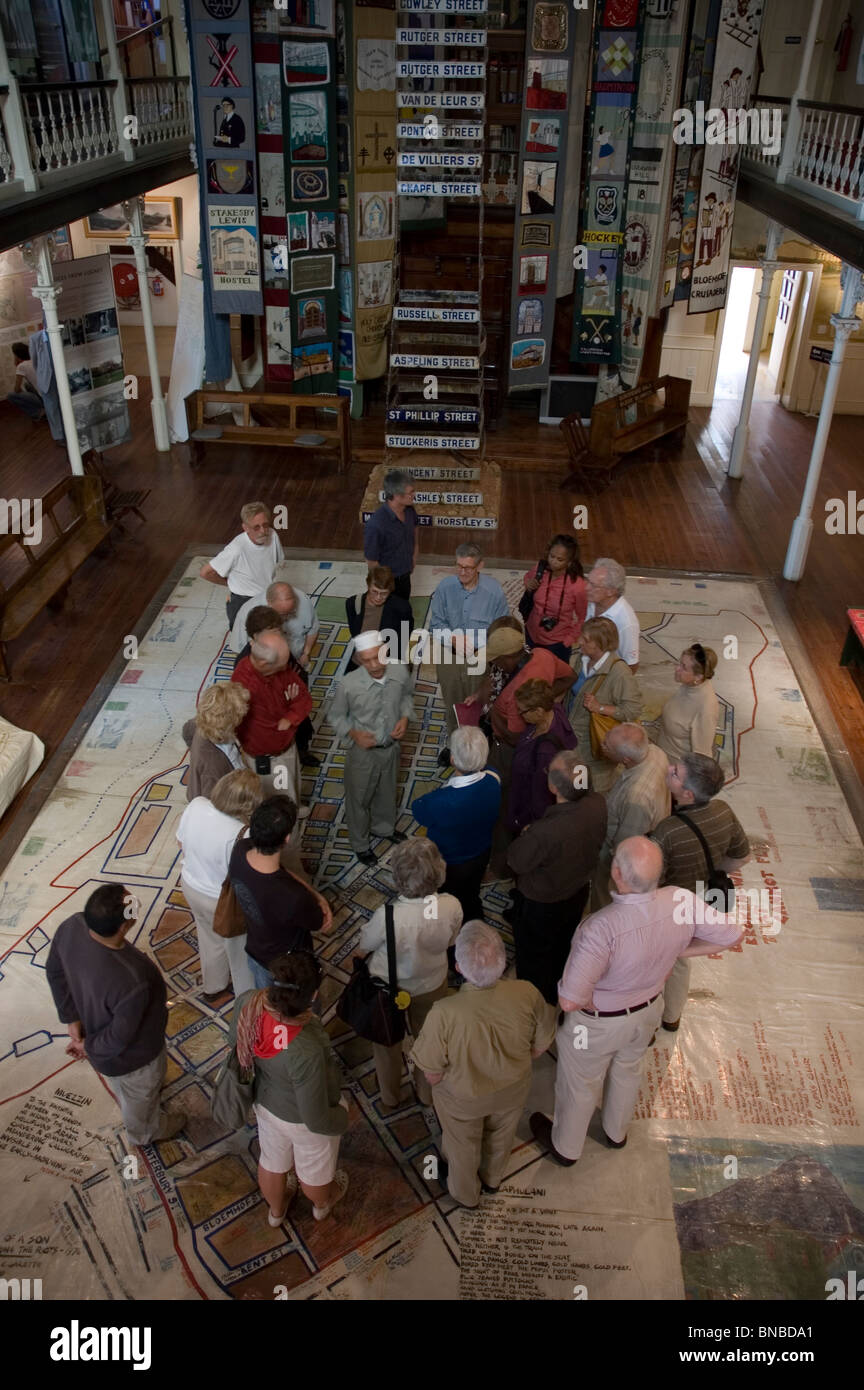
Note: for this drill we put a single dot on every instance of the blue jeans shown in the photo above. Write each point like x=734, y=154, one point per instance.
x=27, y=401
x=260, y=974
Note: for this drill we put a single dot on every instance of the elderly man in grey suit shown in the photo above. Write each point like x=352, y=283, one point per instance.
x=370, y=712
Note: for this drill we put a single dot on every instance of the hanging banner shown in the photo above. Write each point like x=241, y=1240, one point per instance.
x=651, y=164
x=540, y=190
x=220, y=46
x=690, y=205
x=375, y=201
x=615, y=67
x=93, y=353
x=734, y=70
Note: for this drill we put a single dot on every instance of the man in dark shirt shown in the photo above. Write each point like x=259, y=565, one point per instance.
x=113, y=999
x=232, y=128
x=281, y=911
x=391, y=536
x=694, y=781
x=553, y=860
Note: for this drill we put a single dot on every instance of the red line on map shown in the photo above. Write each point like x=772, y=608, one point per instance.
x=28, y=1089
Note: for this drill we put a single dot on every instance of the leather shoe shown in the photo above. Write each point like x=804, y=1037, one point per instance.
x=443, y=1171
x=672, y=1027
x=614, y=1143
x=398, y=837
x=541, y=1128
x=444, y=758
x=367, y=858
x=490, y=1191
x=309, y=760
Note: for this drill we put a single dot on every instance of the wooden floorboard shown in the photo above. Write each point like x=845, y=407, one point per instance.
x=670, y=507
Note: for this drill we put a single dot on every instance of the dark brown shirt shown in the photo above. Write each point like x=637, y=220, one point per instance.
x=556, y=855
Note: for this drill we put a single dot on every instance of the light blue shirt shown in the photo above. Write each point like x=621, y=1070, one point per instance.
x=296, y=627
x=456, y=609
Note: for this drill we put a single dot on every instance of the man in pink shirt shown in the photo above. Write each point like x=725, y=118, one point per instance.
x=612, y=995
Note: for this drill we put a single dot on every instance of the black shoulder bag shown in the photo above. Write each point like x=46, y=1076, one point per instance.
x=720, y=890
x=368, y=1005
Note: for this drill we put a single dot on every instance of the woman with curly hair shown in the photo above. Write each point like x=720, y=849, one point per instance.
x=212, y=737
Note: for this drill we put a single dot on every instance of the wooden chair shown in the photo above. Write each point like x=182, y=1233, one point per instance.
x=587, y=472
x=117, y=502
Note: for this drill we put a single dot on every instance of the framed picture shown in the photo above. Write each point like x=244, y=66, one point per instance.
x=536, y=234
x=312, y=273
x=160, y=218
x=110, y=222
x=546, y=84
x=539, y=182
x=533, y=273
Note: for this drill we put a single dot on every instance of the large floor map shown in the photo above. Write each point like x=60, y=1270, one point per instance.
x=743, y=1174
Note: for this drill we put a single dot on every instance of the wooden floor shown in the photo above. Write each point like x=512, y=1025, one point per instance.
x=668, y=508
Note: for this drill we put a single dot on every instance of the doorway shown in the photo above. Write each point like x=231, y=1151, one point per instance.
x=737, y=333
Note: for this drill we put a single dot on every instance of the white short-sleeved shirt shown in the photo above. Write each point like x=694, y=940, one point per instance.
x=28, y=371
x=207, y=837
x=423, y=931
x=624, y=618
x=248, y=567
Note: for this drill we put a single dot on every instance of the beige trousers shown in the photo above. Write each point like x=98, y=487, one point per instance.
x=457, y=682
x=389, y=1061
x=477, y=1134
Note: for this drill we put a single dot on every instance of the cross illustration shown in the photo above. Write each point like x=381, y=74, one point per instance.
x=222, y=58
x=363, y=154
x=389, y=154
x=376, y=135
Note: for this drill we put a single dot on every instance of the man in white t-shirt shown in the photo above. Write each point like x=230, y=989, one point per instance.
x=26, y=393
x=248, y=563
x=605, y=584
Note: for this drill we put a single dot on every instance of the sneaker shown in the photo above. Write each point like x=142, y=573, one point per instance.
x=290, y=1194
x=170, y=1124
x=340, y=1178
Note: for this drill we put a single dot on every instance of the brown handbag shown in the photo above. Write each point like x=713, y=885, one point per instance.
x=228, y=919
x=600, y=724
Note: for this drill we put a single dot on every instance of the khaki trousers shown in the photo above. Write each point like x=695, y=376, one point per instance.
x=138, y=1097
x=477, y=1135
x=389, y=1061
x=457, y=682
x=288, y=780
x=370, y=793
x=608, y=1068
x=676, y=989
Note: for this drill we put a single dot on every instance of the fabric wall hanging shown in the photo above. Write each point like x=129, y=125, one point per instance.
x=220, y=46
x=609, y=131
x=690, y=208
x=651, y=167
x=373, y=189
x=540, y=194
x=734, y=69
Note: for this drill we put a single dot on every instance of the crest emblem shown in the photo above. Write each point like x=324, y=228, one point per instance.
x=606, y=203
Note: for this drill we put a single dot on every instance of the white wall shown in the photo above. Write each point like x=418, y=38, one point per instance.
x=688, y=351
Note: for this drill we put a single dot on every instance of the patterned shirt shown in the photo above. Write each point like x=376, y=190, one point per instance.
x=683, y=855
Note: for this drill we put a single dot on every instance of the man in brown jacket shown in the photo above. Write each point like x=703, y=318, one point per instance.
x=553, y=860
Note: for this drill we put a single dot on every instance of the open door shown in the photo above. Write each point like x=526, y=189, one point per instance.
x=784, y=326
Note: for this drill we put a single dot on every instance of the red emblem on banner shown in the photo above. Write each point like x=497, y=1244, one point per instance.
x=621, y=14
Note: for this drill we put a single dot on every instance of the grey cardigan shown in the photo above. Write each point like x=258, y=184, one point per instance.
x=302, y=1084
x=207, y=763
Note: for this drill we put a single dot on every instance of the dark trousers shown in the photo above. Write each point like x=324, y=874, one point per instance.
x=559, y=649
x=463, y=881
x=303, y=737
x=542, y=936
x=402, y=586
x=233, y=604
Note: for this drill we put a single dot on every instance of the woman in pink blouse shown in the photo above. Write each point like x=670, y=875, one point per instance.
x=560, y=598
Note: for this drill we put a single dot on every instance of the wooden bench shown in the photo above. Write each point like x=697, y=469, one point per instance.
x=304, y=417
x=637, y=417
x=587, y=472
x=118, y=502
x=33, y=577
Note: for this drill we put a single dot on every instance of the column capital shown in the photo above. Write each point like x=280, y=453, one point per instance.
x=47, y=294
x=844, y=326
x=137, y=241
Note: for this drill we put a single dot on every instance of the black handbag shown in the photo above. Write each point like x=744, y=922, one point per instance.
x=720, y=890
x=368, y=1005
x=526, y=602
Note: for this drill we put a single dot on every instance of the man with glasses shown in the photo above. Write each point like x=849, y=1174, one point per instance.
x=605, y=583
x=462, y=607
x=391, y=536
x=247, y=565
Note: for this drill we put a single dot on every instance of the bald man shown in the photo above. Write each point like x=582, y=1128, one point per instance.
x=279, y=703
x=611, y=993
x=637, y=802
x=299, y=626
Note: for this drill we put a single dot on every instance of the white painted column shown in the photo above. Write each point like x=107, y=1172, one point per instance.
x=769, y=269
x=844, y=323
x=125, y=128
x=138, y=241
x=46, y=291
x=14, y=125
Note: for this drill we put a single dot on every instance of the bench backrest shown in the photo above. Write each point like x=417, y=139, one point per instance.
x=64, y=510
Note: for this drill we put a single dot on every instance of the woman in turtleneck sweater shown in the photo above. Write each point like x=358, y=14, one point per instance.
x=689, y=718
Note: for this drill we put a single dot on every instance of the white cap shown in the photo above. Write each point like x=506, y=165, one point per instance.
x=365, y=641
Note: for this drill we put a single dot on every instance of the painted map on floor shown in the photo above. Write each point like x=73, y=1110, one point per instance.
x=742, y=1175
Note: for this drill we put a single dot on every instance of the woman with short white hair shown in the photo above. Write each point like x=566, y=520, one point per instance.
x=425, y=924
x=460, y=817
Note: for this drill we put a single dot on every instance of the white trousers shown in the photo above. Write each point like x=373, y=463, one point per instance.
x=676, y=989
x=222, y=958
x=604, y=1069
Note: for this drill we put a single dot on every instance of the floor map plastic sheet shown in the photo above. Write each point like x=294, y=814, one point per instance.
x=742, y=1177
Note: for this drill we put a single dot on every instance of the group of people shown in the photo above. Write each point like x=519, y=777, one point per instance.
x=552, y=783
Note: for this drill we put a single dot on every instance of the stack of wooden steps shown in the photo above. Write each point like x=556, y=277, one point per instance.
x=445, y=495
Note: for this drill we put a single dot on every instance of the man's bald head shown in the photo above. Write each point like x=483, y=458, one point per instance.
x=626, y=743
x=637, y=865
x=282, y=597
x=270, y=652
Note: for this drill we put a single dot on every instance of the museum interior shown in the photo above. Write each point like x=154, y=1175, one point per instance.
x=503, y=315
